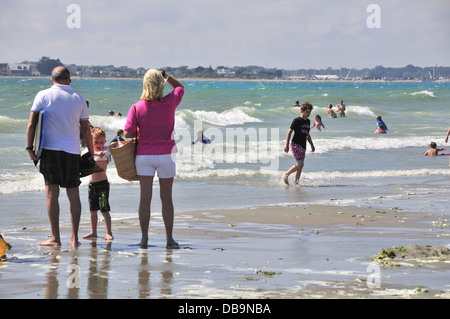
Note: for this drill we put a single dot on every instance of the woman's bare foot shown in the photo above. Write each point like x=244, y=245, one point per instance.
x=109, y=237
x=50, y=242
x=91, y=235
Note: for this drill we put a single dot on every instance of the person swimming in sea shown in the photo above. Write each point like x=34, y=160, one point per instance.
x=382, y=128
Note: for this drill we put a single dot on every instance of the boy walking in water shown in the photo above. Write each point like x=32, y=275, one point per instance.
x=300, y=126
x=99, y=185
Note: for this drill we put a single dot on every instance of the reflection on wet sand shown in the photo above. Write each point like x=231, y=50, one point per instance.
x=102, y=274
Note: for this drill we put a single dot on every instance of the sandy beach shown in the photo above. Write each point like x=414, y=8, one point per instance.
x=273, y=252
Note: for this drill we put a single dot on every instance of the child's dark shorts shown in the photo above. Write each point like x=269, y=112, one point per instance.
x=60, y=168
x=99, y=196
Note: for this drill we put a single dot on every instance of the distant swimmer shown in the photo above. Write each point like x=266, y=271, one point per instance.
x=297, y=104
x=331, y=112
x=382, y=128
x=341, y=108
x=201, y=138
x=433, y=151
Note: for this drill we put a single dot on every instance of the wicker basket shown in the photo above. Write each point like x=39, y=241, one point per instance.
x=124, y=155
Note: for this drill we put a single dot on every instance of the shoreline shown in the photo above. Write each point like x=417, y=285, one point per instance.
x=234, y=79
x=276, y=252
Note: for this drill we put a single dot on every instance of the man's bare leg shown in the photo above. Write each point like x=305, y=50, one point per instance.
x=73, y=194
x=52, y=192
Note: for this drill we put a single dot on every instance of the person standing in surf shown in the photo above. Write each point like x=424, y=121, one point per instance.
x=66, y=114
x=341, y=108
x=300, y=126
x=152, y=120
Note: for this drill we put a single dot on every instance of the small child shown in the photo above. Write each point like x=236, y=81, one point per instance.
x=300, y=126
x=119, y=136
x=318, y=122
x=382, y=128
x=99, y=185
x=433, y=151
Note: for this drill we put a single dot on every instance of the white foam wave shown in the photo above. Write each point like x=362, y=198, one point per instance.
x=324, y=176
x=423, y=93
x=26, y=182
x=360, y=110
x=235, y=116
x=324, y=145
x=315, y=178
x=5, y=120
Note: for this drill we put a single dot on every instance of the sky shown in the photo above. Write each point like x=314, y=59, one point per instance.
x=283, y=34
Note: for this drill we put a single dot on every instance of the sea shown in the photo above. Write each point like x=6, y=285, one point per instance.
x=247, y=122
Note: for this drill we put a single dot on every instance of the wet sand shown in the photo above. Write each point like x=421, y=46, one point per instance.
x=276, y=252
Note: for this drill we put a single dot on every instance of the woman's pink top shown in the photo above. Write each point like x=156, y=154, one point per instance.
x=154, y=121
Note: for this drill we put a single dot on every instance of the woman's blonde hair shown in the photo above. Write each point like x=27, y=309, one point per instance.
x=153, y=86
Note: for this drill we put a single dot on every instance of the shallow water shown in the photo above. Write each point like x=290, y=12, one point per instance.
x=247, y=122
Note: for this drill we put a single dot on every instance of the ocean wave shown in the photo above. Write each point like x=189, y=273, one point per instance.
x=5, y=120
x=424, y=93
x=108, y=123
x=360, y=110
x=375, y=143
x=10, y=126
x=19, y=182
x=234, y=116
x=319, y=177
x=248, y=143
x=324, y=176
x=16, y=181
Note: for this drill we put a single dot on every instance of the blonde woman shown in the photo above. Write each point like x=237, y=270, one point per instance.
x=152, y=120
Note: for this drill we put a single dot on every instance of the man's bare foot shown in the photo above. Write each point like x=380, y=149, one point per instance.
x=144, y=243
x=172, y=245
x=285, y=179
x=75, y=243
x=109, y=237
x=49, y=242
x=91, y=235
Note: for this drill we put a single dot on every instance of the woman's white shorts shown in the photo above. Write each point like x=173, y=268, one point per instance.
x=147, y=165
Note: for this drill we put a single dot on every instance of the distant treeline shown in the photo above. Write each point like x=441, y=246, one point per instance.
x=46, y=64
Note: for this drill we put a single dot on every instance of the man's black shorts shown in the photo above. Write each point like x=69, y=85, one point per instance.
x=60, y=168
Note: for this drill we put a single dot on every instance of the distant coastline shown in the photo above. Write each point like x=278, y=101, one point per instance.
x=379, y=73
x=234, y=79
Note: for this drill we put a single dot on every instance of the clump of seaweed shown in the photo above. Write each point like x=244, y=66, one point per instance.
x=391, y=256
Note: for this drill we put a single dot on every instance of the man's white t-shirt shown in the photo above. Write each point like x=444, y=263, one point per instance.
x=64, y=109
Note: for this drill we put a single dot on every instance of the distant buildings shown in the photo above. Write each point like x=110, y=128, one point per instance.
x=19, y=69
x=379, y=73
x=225, y=72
